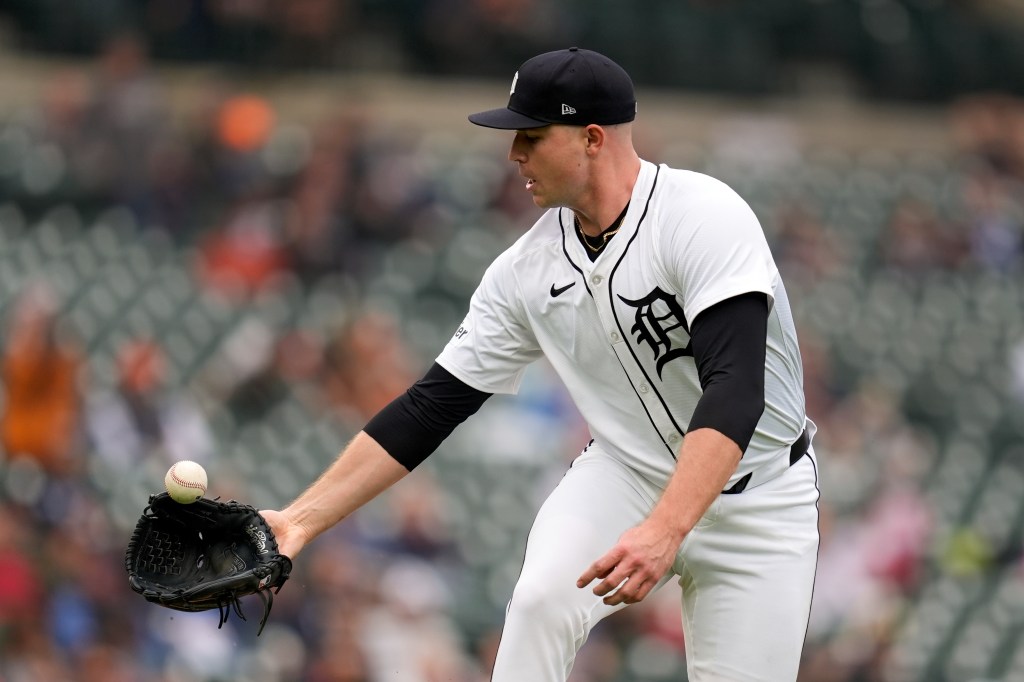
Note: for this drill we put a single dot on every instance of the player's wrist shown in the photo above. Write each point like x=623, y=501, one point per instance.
x=674, y=526
x=299, y=528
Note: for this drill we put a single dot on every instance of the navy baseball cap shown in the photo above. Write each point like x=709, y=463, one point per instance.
x=571, y=87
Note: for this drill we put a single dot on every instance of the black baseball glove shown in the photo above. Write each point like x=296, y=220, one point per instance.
x=204, y=555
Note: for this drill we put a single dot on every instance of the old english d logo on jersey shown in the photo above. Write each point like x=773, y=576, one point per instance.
x=657, y=314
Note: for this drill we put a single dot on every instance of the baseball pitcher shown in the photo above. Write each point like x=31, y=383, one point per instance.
x=654, y=295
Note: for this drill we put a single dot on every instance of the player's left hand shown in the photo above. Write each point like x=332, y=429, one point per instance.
x=642, y=556
x=290, y=537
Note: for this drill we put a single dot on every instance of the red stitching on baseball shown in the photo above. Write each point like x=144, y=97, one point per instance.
x=187, y=484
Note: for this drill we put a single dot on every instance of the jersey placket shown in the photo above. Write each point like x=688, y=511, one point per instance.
x=601, y=283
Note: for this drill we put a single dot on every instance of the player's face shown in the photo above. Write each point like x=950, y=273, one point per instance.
x=553, y=161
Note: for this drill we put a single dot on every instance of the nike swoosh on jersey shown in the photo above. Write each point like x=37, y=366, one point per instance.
x=561, y=290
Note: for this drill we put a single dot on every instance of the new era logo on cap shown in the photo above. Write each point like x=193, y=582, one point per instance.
x=600, y=90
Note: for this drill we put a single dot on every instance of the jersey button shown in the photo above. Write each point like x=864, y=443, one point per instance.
x=597, y=279
x=674, y=438
x=615, y=337
x=644, y=388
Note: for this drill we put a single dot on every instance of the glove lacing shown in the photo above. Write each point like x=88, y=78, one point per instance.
x=232, y=602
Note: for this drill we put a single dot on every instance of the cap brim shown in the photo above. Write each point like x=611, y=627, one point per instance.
x=506, y=119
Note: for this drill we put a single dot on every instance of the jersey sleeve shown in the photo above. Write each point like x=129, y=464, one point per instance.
x=492, y=347
x=715, y=249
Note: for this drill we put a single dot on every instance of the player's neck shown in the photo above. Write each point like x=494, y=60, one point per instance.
x=607, y=229
x=610, y=214
x=595, y=245
x=611, y=194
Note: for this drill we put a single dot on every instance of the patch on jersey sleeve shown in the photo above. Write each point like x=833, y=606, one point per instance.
x=460, y=332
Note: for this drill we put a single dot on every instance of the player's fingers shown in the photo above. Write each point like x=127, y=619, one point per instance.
x=622, y=592
x=599, y=569
x=646, y=588
x=613, y=582
x=639, y=590
x=631, y=591
x=289, y=542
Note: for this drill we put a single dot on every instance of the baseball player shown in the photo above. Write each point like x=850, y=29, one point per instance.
x=653, y=294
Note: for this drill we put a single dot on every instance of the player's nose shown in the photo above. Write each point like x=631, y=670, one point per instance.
x=515, y=152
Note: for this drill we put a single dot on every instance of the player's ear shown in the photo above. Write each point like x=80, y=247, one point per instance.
x=595, y=137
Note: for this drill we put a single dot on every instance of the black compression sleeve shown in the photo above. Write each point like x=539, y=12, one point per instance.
x=412, y=426
x=729, y=342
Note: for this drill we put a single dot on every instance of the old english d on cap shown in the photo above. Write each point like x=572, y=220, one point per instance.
x=570, y=87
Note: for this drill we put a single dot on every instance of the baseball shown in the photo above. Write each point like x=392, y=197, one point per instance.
x=185, y=481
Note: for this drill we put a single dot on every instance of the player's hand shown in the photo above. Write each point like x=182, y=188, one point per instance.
x=291, y=537
x=642, y=556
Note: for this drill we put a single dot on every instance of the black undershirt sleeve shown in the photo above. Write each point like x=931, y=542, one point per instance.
x=729, y=342
x=415, y=423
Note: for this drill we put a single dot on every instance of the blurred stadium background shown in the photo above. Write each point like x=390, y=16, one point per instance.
x=230, y=230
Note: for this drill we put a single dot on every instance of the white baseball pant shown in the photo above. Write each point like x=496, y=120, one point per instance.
x=746, y=572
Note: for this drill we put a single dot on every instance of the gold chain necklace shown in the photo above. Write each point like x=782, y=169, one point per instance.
x=604, y=236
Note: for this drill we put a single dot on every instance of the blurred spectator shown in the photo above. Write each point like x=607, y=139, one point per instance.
x=245, y=377
x=511, y=201
x=247, y=252
x=41, y=371
x=481, y=37
x=368, y=366
x=319, y=227
x=415, y=524
x=142, y=416
x=32, y=657
x=990, y=128
x=244, y=123
x=21, y=587
x=393, y=198
x=63, y=108
x=408, y=637
x=127, y=118
x=244, y=248
x=917, y=239
x=822, y=385
x=898, y=534
x=108, y=663
x=211, y=163
x=315, y=33
x=292, y=362
x=995, y=221
x=803, y=247
x=341, y=658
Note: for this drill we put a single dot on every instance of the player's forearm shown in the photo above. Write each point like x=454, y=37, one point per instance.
x=706, y=461
x=362, y=471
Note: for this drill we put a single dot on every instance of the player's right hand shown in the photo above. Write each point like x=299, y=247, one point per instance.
x=635, y=565
x=290, y=536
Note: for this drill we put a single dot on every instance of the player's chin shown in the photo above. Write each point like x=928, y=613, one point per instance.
x=542, y=201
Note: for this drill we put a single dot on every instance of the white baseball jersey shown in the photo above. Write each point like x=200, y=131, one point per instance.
x=617, y=330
